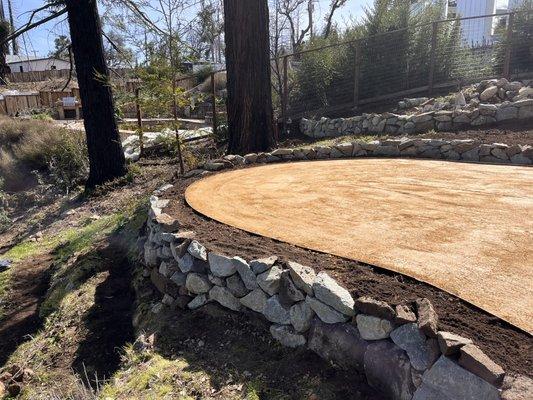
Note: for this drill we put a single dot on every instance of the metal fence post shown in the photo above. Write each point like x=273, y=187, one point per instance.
x=285, y=95
x=357, y=73
x=214, y=104
x=508, y=47
x=432, y=57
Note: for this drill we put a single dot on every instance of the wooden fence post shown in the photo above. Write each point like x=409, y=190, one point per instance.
x=285, y=94
x=508, y=47
x=214, y=104
x=432, y=57
x=139, y=121
x=357, y=73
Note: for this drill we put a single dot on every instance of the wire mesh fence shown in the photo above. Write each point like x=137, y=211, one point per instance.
x=408, y=62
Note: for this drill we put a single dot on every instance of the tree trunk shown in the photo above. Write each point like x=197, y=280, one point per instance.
x=106, y=158
x=250, y=116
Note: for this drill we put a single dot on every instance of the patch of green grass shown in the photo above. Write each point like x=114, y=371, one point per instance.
x=151, y=376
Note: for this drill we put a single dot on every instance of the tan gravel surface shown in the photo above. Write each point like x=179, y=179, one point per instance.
x=465, y=228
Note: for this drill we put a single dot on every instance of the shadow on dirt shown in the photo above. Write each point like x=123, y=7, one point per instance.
x=109, y=320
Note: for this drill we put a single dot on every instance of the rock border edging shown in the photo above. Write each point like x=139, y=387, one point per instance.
x=399, y=349
x=468, y=150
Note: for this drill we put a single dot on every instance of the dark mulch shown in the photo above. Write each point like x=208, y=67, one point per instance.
x=507, y=345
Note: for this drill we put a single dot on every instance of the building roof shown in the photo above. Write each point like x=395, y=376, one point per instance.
x=11, y=58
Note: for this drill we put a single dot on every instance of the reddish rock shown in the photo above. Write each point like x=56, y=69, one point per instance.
x=450, y=343
x=477, y=362
x=376, y=308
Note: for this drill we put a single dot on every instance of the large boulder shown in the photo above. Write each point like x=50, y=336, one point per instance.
x=338, y=343
x=388, y=370
x=447, y=380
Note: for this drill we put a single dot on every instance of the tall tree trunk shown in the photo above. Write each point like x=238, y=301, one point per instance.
x=106, y=158
x=250, y=116
x=12, y=22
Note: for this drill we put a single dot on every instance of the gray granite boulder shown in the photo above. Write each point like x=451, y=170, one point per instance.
x=450, y=343
x=221, y=266
x=388, y=370
x=275, y=312
x=328, y=291
x=198, y=251
x=225, y=298
x=236, y=286
x=373, y=328
x=421, y=351
x=446, y=380
x=302, y=276
x=255, y=300
x=338, y=343
x=326, y=313
x=301, y=316
x=197, y=284
x=246, y=273
x=263, y=264
x=269, y=280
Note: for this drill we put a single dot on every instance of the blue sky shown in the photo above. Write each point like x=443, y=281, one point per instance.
x=41, y=40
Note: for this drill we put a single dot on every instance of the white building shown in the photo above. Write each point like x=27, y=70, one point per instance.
x=24, y=63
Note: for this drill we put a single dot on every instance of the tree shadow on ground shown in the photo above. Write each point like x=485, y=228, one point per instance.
x=109, y=321
x=232, y=348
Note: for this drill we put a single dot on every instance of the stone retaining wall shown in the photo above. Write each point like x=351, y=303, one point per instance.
x=395, y=124
x=398, y=347
x=465, y=150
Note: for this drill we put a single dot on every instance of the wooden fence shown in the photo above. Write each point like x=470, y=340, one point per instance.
x=12, y=104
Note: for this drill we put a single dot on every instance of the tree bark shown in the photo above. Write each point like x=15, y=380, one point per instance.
x=250, y=115
x=106, y=157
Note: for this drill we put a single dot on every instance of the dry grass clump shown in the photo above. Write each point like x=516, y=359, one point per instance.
x=35, y=145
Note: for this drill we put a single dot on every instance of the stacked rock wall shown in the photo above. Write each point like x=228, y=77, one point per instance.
x=399, y=124
x=399, y=348
x=459, y=149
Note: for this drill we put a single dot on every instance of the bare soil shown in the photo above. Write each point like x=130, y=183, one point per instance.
x=30, y=282
x=506, y=344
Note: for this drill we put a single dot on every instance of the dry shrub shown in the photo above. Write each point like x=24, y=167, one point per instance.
x=56, y=153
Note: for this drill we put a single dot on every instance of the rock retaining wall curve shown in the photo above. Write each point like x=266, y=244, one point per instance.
x=399, y=348
x=394, y=124
x=440, y=149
